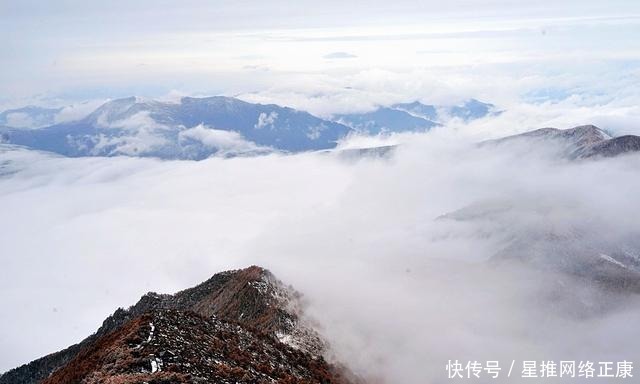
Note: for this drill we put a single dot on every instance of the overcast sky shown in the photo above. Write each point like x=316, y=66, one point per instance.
x=287, y=52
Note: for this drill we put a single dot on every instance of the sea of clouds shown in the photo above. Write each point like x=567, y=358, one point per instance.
x=395, y=291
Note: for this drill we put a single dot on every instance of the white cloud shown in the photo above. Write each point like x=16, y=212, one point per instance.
x=77, y=111
x=396, y=293
x=140, y=135
x=266, y=120
x=226, y=142
x=19, y=120
x=339, y=55
x=138, y=144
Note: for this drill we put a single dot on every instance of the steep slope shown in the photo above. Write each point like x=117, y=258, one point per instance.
x=252, y=298
x=169, y=346
x=613, y=147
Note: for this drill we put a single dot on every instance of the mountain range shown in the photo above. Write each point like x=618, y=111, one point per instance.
x=196, y=128
x=240, y=326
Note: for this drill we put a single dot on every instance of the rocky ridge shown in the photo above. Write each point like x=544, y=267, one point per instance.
x=238, y=326
x=580, y=142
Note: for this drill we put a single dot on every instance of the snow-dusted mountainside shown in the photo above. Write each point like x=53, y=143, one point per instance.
x=194, y=128
x=551, y=241
x=612, y=147
x=169, y=346
x=29, y=117
x=576, y=143
x=240, y=326
x=414, y=116
x=561, y=236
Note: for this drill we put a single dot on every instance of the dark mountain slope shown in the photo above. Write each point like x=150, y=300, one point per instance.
x=168, y=346
x=252, y=298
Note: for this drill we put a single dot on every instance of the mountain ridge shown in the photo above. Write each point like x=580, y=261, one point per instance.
x=581, y=142
x=252, y=298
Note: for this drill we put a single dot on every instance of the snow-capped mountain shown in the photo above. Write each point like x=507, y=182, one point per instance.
x=241, y=326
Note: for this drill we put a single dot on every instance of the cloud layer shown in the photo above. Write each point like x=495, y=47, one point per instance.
x=395, y=291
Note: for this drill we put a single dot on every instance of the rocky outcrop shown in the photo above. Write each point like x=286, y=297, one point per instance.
x=252, y=300
x=170, y=346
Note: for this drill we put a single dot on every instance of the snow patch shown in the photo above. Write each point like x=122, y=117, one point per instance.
x=612, y=260
x=156, y=364
x=153, y=328
x=224, y=141
x=265, y=120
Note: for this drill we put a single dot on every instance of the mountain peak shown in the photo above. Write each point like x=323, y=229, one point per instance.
x=579, y=142
x=249, y=308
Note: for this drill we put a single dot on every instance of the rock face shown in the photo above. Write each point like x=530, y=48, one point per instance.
x=576, y=143
x=238, y=326
x=170, y=346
